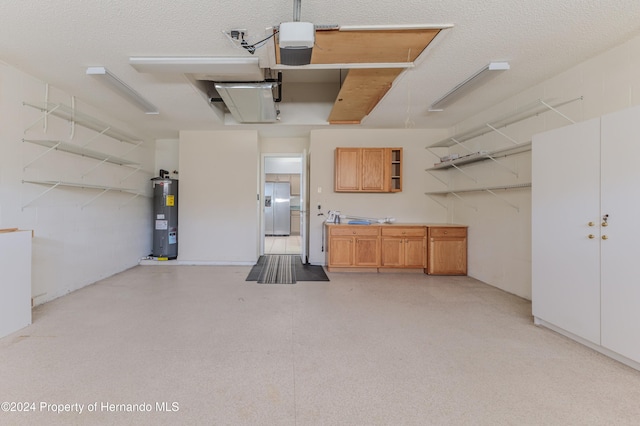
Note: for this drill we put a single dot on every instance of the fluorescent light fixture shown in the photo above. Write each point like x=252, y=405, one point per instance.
x=471, y=83
x=123, y=89
x=214, y=68
x=249, y=102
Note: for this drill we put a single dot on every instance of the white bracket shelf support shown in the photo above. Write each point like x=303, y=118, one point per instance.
x=532, y=110
x=490, y=190
x=55, y=184
x=72, y=115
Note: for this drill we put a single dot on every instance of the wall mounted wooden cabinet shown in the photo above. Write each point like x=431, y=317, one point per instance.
x=368, y=170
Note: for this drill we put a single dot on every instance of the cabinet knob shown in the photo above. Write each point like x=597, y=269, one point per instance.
x=605, y=224
x=591, y=224
x=591, y=236
x=445, y=232
x=354, y=232
x=403, y=232
x=604, y=237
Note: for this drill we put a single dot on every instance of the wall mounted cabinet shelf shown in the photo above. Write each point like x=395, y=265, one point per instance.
x=368, y=170
x=78, y=150
x=75, y=117
x=489, y=189
x=54, y=184
x=482, y=156
x=456, y=161
x=531, y=110
x=72, y=115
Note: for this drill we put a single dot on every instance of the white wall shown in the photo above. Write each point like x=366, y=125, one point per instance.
x=167, y=156
x=77, y=241
x=499, y=234
x=409, y=206
x=218, y=208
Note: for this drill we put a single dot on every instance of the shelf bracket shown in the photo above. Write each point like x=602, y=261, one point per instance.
x=41, y=194
x=461, y=144
x=129, y=200
x=464, y=202
x=436, y=176
x=96, y=136
x=558, y=112
x=499, y=197
x=464, y=173
x=502, y=165
x=503, y=134
x=44, y=117
x=436, y=200
x=40, y=156
x=104, y=191
x=130, y=174
x=95, y=166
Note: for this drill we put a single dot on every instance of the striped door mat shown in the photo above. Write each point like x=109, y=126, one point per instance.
x=278, y=269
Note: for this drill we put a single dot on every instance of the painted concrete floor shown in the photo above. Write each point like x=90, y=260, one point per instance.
x=198, y=345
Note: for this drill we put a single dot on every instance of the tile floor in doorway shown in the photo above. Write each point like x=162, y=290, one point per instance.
x=282, y=245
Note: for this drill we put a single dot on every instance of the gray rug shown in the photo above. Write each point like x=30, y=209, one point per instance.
x=278, y=269
x=271, y=269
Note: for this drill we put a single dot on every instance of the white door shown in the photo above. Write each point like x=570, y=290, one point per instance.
x=304, y=210
x=565, y=199
x=621, y=201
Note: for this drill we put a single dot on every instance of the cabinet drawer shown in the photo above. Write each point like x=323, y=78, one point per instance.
x=354, y=230
x=404, y=232
x=447, y=232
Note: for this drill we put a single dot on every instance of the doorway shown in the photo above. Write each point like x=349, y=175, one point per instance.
x=283, y=205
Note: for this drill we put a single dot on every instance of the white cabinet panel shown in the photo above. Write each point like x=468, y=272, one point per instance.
x=15, y=281
x=586, y=286
x=621, y=200
x=565, y=198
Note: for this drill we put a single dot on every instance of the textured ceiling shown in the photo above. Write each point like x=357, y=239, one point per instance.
x=56, y=40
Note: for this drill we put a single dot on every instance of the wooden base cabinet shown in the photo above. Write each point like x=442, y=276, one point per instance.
x=398, y=246
x=447, y=251
x=353, y=246
x=403, y=247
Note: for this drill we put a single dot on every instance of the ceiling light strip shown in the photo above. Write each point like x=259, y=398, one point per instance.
x=123, y=89
x=471, y=83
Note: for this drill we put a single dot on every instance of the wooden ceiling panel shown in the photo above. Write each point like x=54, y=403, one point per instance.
x=348, y=47
x=365, y=87
x=361, y=91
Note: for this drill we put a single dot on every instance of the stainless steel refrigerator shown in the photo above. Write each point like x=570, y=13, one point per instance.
x=277, y=214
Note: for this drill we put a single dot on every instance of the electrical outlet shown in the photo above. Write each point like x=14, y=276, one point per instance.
x=238, y=34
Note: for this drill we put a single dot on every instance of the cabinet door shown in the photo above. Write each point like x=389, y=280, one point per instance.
x=447, y=251
x=347, y=169
x=367, y=251
x=447, y=256
x=341, y=251
x=565, y=199
x=374, y=174
x=620, y=291
x=392, y=252
x=415, y=253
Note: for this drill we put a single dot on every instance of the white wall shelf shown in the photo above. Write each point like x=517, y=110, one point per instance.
x=531, y=110
x=481, y=156
x=78, y=150
x=54, y=184
x=72, y=115
x=490, y=189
